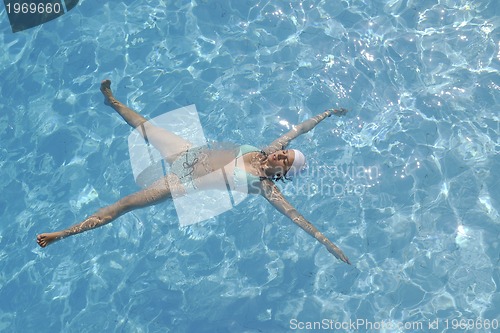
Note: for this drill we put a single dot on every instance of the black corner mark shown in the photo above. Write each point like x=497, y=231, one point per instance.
x=70, y=4
x=26, y=14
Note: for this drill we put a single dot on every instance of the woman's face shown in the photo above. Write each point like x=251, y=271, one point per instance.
x=281, y=161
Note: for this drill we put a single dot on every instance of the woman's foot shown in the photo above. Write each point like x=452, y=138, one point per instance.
x=45, y=239
x=109, y=99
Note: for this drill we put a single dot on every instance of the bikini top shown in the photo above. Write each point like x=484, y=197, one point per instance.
x=240, y=175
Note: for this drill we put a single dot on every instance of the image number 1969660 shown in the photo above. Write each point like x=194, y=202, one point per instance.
x=25, y=14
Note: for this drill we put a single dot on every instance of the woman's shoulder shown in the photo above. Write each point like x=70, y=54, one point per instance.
x=248, y=149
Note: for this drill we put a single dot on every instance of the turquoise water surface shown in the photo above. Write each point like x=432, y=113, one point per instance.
x=411, y=191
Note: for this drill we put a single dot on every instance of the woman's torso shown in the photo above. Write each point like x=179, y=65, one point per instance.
x=236, y=168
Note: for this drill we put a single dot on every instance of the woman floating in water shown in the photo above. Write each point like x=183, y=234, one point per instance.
x=258, y=169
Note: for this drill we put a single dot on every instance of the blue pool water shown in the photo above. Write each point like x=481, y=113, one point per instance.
x=412, y=193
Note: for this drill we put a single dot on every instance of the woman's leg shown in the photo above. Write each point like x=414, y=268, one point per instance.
x=159, y=191
x=168, y=144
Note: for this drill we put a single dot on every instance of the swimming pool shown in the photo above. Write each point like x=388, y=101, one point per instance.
x=411, y=194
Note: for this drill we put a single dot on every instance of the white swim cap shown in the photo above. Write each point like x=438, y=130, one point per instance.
x=298, y=165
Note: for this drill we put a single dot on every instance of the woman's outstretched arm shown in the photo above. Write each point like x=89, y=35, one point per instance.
x=300, y=129
x=271, y=192
x=157, y=192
